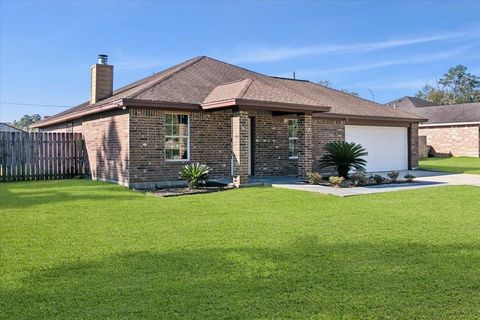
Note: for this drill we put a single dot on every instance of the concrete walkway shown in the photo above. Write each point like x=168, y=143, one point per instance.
x=424, y=179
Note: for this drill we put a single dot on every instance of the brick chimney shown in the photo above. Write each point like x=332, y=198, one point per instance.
x=102, y=80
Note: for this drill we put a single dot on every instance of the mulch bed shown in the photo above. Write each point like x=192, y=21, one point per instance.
x=181, y=191
x=368, y=184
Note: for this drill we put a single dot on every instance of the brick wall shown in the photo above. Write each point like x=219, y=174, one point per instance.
x=210, y=144
x=107, y=144
x=413, y=146
x=323, y=132
x=304, y=145
x=67, y=127
x=271, y=145
x=458, y=140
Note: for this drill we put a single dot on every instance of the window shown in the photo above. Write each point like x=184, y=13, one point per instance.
x=293, y=139
x=177, y=137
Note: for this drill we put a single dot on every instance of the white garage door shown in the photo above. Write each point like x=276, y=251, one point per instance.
x=387, y=147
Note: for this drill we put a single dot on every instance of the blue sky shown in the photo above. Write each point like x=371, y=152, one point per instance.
x=390, y=48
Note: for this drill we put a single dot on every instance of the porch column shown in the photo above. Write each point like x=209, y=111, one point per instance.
x=240, y=136
x=304, y=145
x=413, y=146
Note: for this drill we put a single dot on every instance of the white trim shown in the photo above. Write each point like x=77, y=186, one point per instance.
x=448, y=124
x=231, y=146
x=249, y=146
x=188, y=138
x=292, y=138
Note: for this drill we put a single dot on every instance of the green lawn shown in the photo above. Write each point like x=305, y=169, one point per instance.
x=88, y=250
x=456, y=165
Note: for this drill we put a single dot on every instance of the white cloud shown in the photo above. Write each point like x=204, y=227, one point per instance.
x=269, y=54
x=415, y=59
x=412, y=83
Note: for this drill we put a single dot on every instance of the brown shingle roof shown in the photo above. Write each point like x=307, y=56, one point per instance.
x=409, y=102
x=195, y=80
x=454, y=113
x=257, y=91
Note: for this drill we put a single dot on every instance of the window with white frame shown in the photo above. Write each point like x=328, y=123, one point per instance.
x=293, y=139
x=177, y=137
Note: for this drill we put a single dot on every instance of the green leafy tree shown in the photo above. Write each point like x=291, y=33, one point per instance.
x=328, y=84
x=455, y=86
x=25, y=122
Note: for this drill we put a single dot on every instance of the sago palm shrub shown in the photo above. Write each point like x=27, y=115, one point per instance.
x=194, y=174
x=344, y=156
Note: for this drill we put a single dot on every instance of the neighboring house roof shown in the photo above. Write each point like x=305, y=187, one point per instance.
x=5, y=127
x=411, y=102
x=455, y=113
x=439, y=114
x=202, y=81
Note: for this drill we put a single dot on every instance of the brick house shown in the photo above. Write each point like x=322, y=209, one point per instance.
x=239, y=122
x=450, y=129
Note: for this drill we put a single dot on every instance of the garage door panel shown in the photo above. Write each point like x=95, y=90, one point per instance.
x=387, y=147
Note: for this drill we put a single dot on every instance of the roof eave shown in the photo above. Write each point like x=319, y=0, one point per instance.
x=94, y=108
x=122, y=103
x=446, y=124
x=160, y=104
x=351, y=116
x=267, y=105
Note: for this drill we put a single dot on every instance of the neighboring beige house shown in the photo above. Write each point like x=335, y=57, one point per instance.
x=450, y=129
x=239, y=122
x=5, y=127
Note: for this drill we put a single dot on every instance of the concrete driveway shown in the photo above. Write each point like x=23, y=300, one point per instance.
x=425, y=179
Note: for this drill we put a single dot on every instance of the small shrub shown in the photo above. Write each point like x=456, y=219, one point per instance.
x=359, y=178
x=194, y=173
x=393, y=175
x=409, y=177
x=314, y=178
x=378, y=178
x=336, y=180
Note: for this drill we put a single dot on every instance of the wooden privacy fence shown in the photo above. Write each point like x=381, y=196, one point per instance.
x=40, y=156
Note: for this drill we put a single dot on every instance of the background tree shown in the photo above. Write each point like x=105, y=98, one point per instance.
x=25, y=121
x=328, y=84
x=455, y=86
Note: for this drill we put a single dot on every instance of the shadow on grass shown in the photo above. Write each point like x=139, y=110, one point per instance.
x=306, y=279
x=27, y=194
